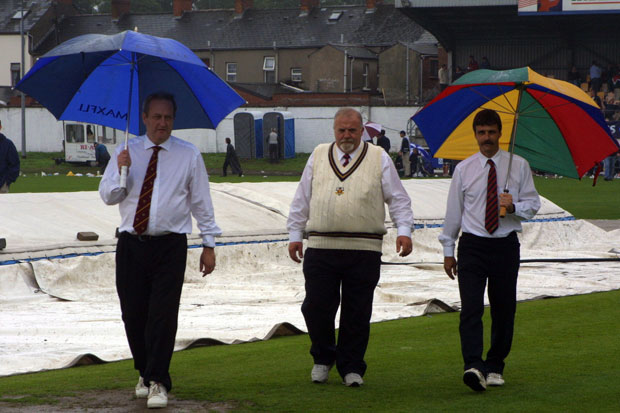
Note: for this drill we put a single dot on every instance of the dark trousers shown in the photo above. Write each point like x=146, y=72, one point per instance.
x=496, y=260
x=326, y=273
x=149, y=279
x=273, y=152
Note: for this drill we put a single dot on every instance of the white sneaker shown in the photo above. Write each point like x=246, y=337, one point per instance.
x=495, y=379
x=353, y=380
x=474, y=379
x=142, y=392
x=320, y=373
x=158, y=396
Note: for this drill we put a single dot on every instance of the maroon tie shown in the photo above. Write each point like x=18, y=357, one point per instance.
x=141, y=220
x=346, y=158
x=491, y=219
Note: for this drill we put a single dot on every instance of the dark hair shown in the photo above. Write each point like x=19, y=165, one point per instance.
x=402, y=131
x=227, y=140
x=487, y=117
x=159, y=96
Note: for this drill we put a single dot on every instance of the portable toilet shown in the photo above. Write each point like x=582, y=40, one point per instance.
x=249, y=134
x=284, y=124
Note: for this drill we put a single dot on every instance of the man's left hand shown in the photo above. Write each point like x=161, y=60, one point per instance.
x=207, y=261
x=403, y=245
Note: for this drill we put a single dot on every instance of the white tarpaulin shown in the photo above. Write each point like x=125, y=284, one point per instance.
x=59, y=305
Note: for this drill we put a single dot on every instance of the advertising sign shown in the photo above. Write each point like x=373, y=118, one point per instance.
x=568, y=6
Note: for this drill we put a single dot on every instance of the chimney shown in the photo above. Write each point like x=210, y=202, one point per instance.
x=243, y=5
x=119, y=8
x=307, y=5
x=181, y=6
x=371, y=5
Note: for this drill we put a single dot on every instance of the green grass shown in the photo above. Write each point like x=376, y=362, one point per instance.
x=579, y=198
x=564, y=358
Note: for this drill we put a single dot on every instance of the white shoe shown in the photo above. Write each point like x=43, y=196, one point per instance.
x=142, y=392
x=495, y=379
x=474, y=379
x=158, y=396
x=320, y=373
x=353, y=380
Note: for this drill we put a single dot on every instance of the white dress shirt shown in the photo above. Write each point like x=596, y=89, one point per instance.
x=466, y=205
x=394, y=194
x=181, y=189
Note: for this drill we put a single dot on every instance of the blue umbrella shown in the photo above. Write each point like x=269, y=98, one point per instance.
x=103, y=79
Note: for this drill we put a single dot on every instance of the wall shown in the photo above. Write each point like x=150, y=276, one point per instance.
x=10, y=46
x=313, y=125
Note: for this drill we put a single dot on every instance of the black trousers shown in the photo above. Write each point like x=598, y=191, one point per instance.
x=327, y=272
x=496, y=260
x=149, y=280
x=273, y=152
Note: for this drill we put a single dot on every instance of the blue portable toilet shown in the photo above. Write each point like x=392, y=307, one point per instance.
x=248, y=134
x=284, y=124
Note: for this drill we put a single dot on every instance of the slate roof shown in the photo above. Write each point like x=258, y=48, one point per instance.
x=255, y=29
x=8, y=8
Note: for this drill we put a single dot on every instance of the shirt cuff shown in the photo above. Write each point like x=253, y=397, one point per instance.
x=403, y=231
x=208, y=241
x=296, y=236
x=448, y=251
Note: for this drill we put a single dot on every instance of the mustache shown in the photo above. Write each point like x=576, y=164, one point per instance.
x=488, y=142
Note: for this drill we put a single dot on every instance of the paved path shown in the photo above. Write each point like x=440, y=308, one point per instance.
x=606, y=224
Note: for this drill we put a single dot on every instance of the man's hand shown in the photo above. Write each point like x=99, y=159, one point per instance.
x=123, y=159
x=449, y=266
x=296, y=251
x=207, y=261
x=403, y=245
x=505, y=200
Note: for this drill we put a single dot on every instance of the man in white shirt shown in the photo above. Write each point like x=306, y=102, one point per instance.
x=340, y=205
x=167, y=183
x=273, y=146
x=488, y=248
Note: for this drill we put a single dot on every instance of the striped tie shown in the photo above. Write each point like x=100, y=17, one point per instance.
x=491, y=219
x=346, y=158
x=141, y=219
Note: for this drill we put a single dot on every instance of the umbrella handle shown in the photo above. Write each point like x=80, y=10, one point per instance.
x=502, y=210
x=123, y=176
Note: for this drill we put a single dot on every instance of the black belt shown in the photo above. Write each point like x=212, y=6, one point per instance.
x=147, y=238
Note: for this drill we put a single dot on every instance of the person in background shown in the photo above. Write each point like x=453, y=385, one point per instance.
x=488, y=251
x=9, y=163
x=485, y=64
x=472, y=64
x=274, y=155
x=167, y=184
x=102, y=156
x=232, y=160
x=574, y=76
x=339, y=203
x=444, y=78
x=383, y=141
x=404, y=153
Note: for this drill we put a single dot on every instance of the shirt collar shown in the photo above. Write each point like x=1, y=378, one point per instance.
x=496, y=158
x=352, y=155
x=148, y=144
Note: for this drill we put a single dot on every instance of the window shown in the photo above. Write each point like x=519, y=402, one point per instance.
x=74, y=133
x=366, y=76
x=434, y=68
x=269, y=64
x=335, y=16
x=18, y=15
x=295, y=74
x=15, y=73
x=231, y=72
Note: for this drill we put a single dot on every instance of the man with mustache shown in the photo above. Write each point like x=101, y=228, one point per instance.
x=488, y=249
x=340, y=205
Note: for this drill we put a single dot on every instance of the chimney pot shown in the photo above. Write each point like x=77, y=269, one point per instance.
x=243, y=5
x=307, y=5
x=181, y=6
x=120, y=7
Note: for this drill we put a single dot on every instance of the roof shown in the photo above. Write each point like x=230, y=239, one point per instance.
x=454, y=3
x=33, y=10
x=354, y=51
x=255, y=29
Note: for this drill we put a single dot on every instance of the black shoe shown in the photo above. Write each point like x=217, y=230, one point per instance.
x=475, y=380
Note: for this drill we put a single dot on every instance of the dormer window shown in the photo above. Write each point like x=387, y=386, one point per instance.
x=335, y=16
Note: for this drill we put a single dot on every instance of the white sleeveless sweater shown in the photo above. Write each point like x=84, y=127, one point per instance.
x=347, y=209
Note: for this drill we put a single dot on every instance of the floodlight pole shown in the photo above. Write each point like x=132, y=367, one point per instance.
x=23, y=96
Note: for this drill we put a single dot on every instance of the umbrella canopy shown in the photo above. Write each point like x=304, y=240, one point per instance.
x=558, y=127
x=101, y=79
x=371, y=130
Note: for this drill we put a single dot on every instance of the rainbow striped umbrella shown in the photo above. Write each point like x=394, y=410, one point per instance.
x=553, y=124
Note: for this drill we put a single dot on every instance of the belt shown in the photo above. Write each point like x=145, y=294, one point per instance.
x=146, y=238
